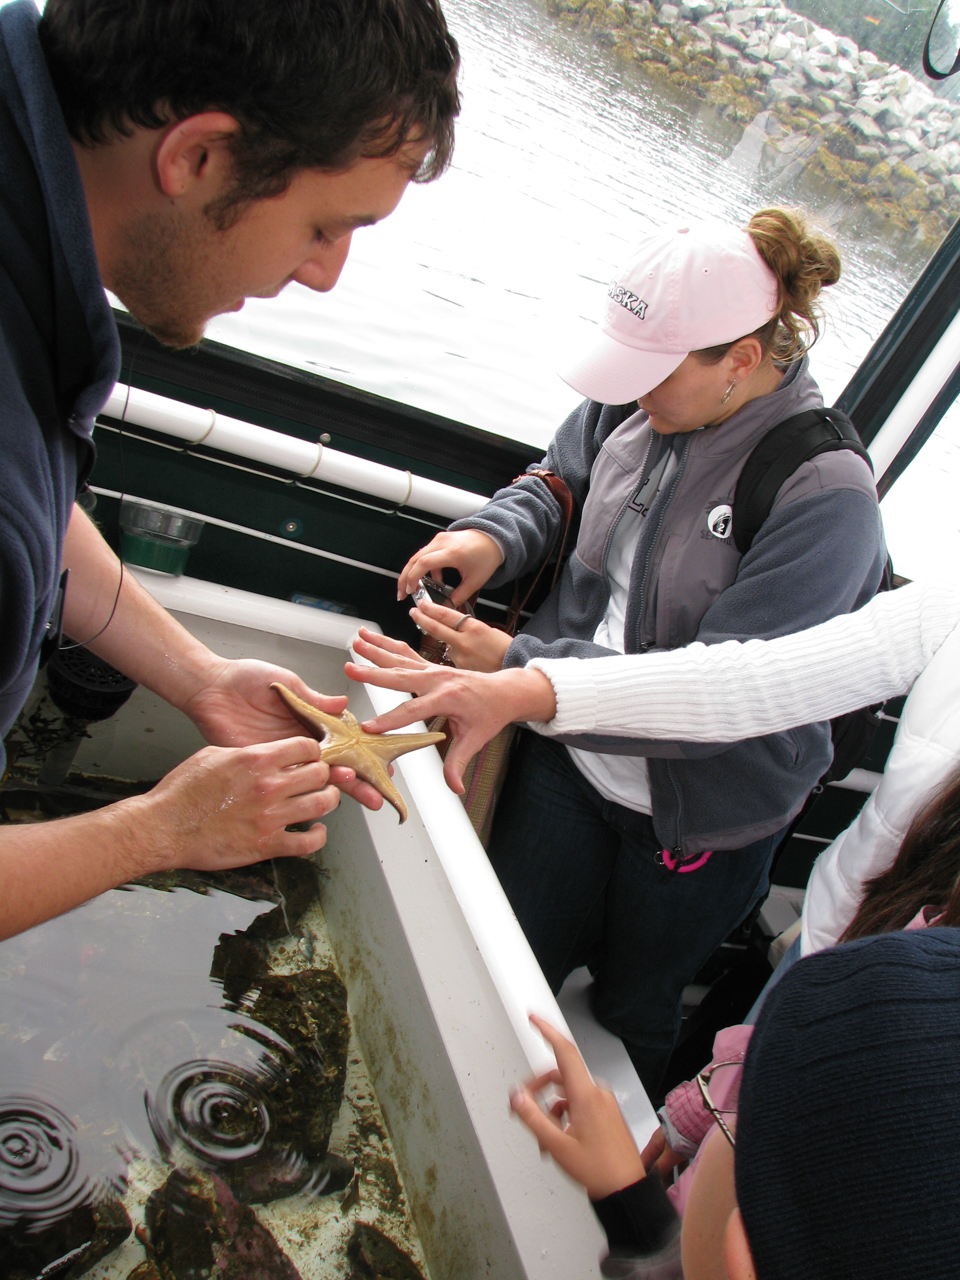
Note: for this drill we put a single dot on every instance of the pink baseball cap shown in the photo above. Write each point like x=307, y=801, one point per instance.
x=687, y=288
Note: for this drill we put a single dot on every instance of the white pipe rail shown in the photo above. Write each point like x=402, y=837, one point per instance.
x=288, y=453
x=930, y=380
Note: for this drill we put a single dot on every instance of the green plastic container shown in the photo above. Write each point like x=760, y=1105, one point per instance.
x=155, y=537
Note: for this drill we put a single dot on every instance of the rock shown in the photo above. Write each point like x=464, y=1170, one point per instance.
x=865, y=126
x=741, y=17
x=780, y=47
x=669, y=14
x=735, y=38
x=848, y=48
x=145, y=1271
x=309, y=1011
x=698, y=40
x=822, y=60
x=869, y=155
x=715, y=28
x=780, y=91
x=936, y=193
x=695, y=10
x=840, y=142
x=798, y=26
x=374, y=1256
x=756, y=52
x=905, y=175
x=819, y=79
x=890, y=114
x=869, y=59
x=821, y=38
x=765, y=70
x=65, y=1248
x=868, y=107
x=194, y=1228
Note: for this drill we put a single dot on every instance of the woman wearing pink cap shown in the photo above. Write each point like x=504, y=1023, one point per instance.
x=639, y=857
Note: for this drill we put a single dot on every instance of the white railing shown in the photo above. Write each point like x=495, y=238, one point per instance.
x=301, y=458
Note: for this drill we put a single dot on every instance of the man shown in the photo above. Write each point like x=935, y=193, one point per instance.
x=186, y=155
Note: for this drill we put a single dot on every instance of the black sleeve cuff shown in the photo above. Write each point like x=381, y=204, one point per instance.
x=640, y=1219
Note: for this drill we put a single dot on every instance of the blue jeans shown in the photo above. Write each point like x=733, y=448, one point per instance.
x=583, y=876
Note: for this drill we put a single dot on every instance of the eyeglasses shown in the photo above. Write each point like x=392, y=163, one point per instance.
x=703, y=1080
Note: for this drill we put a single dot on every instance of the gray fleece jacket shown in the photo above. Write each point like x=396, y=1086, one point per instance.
x=820, y=553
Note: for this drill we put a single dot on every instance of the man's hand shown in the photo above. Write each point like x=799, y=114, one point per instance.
x=224, y=807
x=475, y=557
x=583, y=1129
x=229, y=806
x=477, y=704
x=236, y=708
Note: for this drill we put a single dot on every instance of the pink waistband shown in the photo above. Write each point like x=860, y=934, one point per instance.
x=674, y=864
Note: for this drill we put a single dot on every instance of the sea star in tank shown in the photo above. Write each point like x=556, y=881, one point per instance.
x=368, y=754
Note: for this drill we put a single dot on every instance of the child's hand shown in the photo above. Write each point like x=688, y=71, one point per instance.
x=583, y=1130
x=471, y=644
x=658, y=1155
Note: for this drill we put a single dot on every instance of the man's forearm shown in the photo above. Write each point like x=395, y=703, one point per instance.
x=142, y=639
x=50, y=867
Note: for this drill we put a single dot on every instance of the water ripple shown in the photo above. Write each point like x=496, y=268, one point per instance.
x=40, y=1177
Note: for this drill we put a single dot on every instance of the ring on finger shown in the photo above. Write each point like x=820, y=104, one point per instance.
x=459, y=624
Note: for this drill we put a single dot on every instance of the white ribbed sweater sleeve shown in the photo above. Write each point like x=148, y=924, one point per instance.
x=730, y=691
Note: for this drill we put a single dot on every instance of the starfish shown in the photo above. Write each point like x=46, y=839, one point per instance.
x=367, y=754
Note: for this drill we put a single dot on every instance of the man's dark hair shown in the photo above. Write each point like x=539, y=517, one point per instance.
x=312, y=83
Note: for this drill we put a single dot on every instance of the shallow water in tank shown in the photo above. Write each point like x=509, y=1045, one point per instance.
x=132, y=1043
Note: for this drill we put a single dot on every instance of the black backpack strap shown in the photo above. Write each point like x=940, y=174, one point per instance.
x=778, y=455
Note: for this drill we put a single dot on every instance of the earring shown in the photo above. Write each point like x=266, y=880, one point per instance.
x=728, y=393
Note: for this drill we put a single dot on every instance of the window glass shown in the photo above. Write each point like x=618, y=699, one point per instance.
x=921, y=513
x=587, y=122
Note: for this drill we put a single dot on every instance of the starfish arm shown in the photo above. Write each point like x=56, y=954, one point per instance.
x=387, y=746
x=320, y=724
x=367, y=766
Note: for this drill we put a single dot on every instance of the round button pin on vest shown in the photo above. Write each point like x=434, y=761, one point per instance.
x=720, y=521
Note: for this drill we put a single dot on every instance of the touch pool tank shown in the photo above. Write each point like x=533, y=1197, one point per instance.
x=311, y=1061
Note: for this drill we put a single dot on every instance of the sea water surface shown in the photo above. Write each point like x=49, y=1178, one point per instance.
x=467, y=299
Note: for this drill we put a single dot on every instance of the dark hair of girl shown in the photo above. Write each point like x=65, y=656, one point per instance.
x=926, y=871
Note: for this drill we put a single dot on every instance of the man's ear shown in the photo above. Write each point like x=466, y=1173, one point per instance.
x=737, y=1257
x=195, y=151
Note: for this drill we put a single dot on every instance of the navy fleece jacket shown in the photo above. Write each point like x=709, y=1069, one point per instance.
x=59, y=351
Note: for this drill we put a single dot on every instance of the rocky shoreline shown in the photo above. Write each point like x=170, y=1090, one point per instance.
x=814, y=102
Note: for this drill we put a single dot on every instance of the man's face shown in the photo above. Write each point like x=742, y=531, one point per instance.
x=175, y=270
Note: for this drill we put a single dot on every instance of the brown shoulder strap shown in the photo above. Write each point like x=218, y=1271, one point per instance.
x=564, y=499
